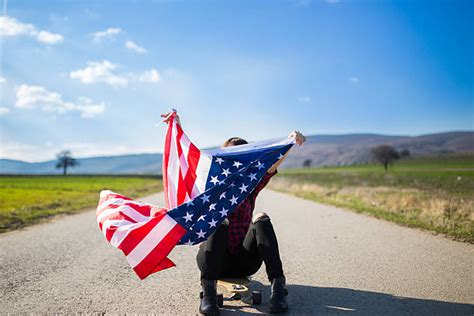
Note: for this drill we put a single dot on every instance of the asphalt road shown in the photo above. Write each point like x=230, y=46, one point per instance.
x=335, y=261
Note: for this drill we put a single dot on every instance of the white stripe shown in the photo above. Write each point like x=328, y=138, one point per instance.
x=202, y=172
x=117, y=201
x=124, y=209
x=173, y=170
x=183, y=164
x=122, y=232
x=249, y=147
x=152, y=239
x=115, y=222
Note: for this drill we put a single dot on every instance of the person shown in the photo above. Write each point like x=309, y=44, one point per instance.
x=241, y=244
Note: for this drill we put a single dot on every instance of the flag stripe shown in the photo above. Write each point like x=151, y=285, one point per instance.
x=152, y=261
x=152, y=239
x=166, y=158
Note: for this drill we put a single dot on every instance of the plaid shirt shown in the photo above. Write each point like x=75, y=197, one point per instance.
x=239, y=220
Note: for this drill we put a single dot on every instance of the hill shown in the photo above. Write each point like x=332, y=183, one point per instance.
x=322, y=150
x=350, y=149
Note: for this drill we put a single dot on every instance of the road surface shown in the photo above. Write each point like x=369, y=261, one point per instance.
x=335, y=262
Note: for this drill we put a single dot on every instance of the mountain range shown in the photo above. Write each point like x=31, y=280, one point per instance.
x=321, y=150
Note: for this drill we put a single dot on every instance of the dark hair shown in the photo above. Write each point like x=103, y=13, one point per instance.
x=234, y=141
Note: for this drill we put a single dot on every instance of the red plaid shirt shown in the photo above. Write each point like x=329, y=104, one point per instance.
x=239, y=220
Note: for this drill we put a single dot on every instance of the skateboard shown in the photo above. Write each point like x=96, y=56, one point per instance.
x=238, y=289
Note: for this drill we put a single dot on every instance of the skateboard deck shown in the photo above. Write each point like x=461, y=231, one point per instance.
x=239, y=290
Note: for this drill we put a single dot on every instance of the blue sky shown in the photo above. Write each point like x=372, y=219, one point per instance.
x=93, y=76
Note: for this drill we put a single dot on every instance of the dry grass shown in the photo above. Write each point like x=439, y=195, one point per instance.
x=434, y=210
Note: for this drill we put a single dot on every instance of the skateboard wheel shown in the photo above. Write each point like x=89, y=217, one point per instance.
x=256, y=298
x=220, y=300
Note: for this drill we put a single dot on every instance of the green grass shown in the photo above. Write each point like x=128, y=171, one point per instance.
x=433, y=193
x=25, y=200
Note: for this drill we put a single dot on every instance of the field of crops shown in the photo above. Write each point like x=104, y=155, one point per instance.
x=433, y=193
x=25, y=200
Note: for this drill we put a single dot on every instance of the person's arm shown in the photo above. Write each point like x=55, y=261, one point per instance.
x=299, y=139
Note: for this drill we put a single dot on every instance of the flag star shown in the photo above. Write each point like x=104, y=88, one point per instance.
x=222, y=196
x=219, y=160
x=224, y=212
x=252, y=176
x=189, y=242
x=212, y=223
x=243, y=188
x=201, y=218
x=226, y=172
x=260, y=165
x=237, y=164
x=221, y=182
x=214, y=180
x=232, y=185
x=212, y=207
x=205, y=198
x=190, y=202
x=280, y=156
x=201, y=234
x=188, y=217
x=233, y=200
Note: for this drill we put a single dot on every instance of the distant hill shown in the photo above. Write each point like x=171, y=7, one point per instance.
x=126, y=164
x=322, y=150
x=340, y=150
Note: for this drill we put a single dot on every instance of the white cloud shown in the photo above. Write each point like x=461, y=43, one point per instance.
x=151, y=76
x=304, y=99
x=108, y=33
x=32, y=97
x=104, y=72
x=2, y=79
x=49, y=38
x=135, y=47
x=354, y=80
x=10, y=27
x=99, y=72
x=4, y=110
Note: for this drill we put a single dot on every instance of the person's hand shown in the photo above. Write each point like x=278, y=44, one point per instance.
x=166, y=117
x=299, y=138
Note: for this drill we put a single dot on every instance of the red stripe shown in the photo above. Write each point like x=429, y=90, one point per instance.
x=135, y=236
x=115, y=216
x=144, y=210
x=156, y=260
x=193, y=160
x=181, y=190
x=166, y=157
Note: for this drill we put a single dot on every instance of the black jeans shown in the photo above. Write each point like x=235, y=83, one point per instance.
x=260, y=245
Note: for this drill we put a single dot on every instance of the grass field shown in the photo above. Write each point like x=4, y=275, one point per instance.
x=433, y=193
x=25, y=200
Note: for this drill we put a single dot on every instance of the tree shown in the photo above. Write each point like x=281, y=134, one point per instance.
x=385, y=155
x=307, y=163
x=405, y=153
x=65, y=160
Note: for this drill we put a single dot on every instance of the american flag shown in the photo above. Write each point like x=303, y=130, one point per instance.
x=201, y=187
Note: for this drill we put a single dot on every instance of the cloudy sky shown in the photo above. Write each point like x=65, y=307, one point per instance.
x=94, y=76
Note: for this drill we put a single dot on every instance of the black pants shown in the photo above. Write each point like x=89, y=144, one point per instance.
x=260, y=245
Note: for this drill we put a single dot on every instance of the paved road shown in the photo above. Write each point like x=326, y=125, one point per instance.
x=335, y=262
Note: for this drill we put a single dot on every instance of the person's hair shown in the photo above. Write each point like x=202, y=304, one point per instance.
x=234, y=141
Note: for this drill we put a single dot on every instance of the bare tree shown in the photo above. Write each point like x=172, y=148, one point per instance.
x=307, y=163
x=405, y=153
x=65, y=161
x=385, y=155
